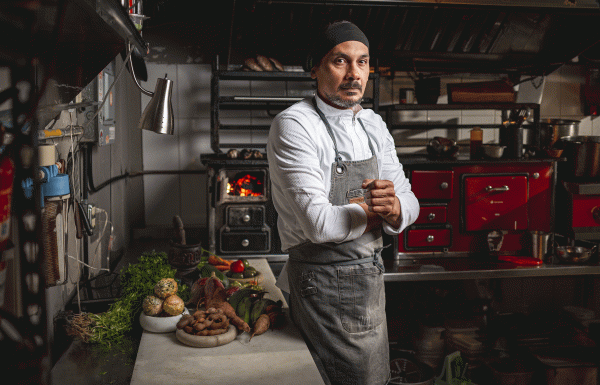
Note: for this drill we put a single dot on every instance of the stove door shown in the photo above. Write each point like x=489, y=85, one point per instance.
x=496, y=202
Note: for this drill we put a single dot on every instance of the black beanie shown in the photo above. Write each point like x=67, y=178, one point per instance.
x=335, y=33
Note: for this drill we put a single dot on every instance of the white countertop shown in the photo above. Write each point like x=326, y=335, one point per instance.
x=277, y=357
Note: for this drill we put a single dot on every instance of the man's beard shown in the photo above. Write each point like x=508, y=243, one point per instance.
x=345, y=103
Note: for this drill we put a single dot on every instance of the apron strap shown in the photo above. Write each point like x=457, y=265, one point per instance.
x=338, y=157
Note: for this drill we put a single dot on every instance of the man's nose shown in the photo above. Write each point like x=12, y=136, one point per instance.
x=353, y=72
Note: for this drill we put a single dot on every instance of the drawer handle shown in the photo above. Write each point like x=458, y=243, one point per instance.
x=245, y=243
x=431, y=216
x=444, y=185
x=596, y=214
x=246, y=218
x=496, y=189
x=430, y=238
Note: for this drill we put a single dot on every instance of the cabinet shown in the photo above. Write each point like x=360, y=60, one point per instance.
x=271, y=104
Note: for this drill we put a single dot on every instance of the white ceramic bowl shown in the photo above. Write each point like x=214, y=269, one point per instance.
x=161, y=324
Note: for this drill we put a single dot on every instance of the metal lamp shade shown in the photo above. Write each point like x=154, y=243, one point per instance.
x=158, y=115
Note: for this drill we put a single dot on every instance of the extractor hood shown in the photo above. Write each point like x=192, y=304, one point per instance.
x=66, y=42
x=445, y=36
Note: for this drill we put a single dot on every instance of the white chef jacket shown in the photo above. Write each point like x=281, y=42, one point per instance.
x=301, y=153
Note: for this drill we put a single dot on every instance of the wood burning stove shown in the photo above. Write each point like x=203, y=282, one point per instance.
x=241, y=216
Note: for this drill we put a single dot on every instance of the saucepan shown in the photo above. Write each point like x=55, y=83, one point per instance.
x=493, y=150
x=442, y=147
x=575, y=254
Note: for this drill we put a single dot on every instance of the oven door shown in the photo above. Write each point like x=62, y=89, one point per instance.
x=495, y=202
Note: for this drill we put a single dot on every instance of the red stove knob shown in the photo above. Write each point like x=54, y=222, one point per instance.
x=596, y=214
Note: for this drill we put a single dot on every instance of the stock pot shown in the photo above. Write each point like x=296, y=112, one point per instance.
x=583, y=155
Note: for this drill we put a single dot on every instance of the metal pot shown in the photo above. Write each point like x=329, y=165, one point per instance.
x=493, y=150
x=583, y=155
x=442, y=147
x=551, y=130
x=574, y=254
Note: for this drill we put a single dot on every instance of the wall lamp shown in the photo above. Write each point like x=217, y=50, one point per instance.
x=158, y=115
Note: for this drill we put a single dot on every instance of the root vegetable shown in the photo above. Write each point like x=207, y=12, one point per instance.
x=188, y=329
x=185, y=321
x=218, y=301
x=261, y=325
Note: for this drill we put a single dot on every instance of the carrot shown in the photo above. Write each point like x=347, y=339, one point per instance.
x=261, y=325
x=218, y=261
x=222, y=267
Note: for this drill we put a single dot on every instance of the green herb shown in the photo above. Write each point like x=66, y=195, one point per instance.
x=137, y=282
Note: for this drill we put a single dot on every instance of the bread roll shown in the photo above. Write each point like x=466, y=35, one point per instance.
x=277, y=64
x=252, y=64
x=264, y=63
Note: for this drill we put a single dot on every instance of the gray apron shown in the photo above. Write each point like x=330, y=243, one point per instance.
x=337, y=296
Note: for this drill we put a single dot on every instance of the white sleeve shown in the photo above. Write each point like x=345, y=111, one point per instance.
x=294, y=164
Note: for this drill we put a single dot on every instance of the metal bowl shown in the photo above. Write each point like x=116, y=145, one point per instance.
x=574, y=254
x=493, y=150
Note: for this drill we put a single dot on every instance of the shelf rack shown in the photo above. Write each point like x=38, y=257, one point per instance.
x=271, y=104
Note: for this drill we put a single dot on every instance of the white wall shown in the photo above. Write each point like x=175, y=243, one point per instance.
x=167, y=195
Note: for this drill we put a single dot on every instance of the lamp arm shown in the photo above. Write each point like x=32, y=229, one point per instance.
x=151, y=94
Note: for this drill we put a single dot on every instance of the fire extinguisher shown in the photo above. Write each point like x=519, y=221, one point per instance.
x=7, y=171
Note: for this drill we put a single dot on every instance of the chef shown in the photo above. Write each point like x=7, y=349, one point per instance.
x=336, y=185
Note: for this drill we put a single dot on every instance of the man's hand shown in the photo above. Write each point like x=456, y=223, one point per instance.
x=381, y=199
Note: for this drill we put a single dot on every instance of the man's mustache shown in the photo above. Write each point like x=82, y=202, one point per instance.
x=350, y=85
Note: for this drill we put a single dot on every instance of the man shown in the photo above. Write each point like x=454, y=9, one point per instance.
x=336, y=183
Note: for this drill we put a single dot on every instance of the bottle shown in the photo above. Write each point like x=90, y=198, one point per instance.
x=476, y=143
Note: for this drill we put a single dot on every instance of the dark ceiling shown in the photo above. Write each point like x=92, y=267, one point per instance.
x=404, y=35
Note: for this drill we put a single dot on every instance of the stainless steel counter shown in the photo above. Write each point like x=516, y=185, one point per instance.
x=441, y=269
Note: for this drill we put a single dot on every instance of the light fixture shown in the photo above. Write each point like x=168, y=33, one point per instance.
x=158, y=115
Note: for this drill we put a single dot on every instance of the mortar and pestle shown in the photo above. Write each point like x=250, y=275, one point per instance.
x=183, y=255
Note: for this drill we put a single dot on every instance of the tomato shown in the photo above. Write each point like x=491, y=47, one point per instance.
x=237, y=266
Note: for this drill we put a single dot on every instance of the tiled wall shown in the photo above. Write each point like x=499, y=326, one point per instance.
x=166, y=195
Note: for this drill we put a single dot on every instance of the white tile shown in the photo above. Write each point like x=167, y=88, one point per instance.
x=585, y=126
x=443, y=117
x=193, y=199
x=162, y=199
x=193, y=90
x=194, y=139
x=160, y=152
x=267, y=88
x=595, y=126
x=234, y=88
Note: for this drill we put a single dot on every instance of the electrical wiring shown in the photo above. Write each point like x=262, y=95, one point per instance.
x=100, y=237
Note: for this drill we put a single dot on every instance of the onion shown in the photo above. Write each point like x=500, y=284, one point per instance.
x=173, y=305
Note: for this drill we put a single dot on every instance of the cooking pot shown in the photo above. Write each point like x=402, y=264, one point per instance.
x=574, y=254
x=551, y=130
x=493, y=150
x=442, y=147
x=583, y=155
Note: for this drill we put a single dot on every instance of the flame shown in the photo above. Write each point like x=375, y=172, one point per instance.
x=245, y=186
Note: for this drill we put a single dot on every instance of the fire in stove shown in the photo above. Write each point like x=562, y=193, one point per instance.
x=245, y=185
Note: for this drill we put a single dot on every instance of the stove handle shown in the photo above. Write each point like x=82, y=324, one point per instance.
x=496, y=189
x=596, y=214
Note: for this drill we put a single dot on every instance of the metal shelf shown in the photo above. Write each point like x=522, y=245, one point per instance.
x=266, y=103
x=455, y=106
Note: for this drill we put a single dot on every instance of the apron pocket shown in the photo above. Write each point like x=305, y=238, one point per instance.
x=361, y=296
